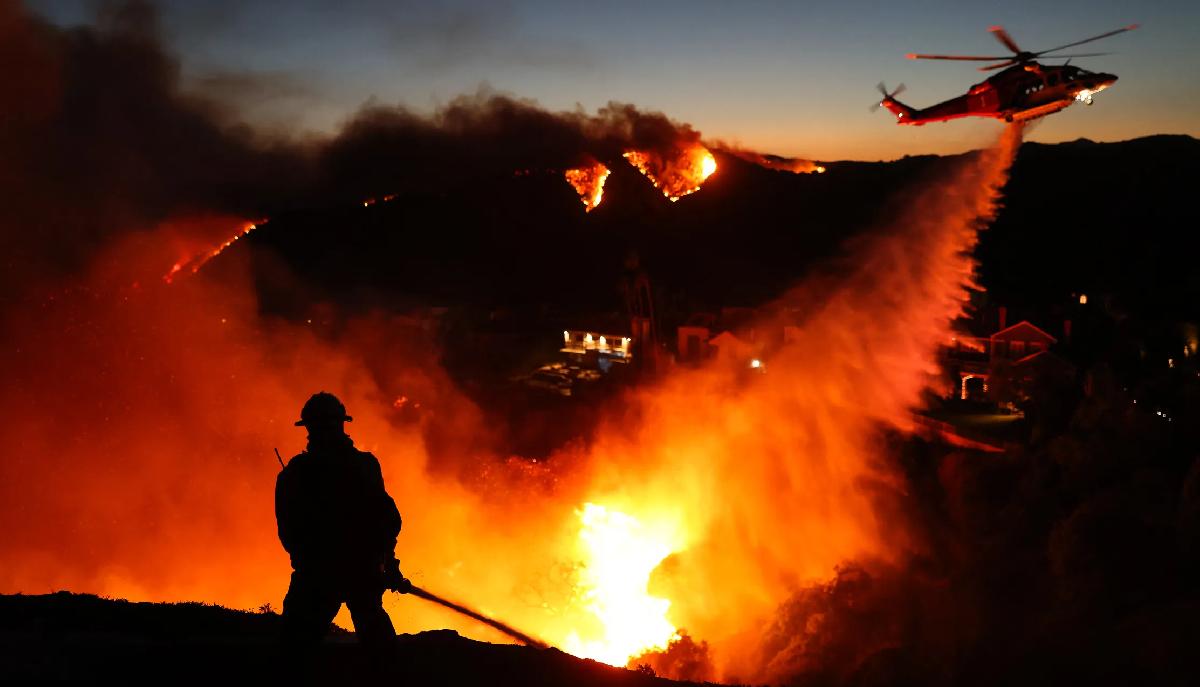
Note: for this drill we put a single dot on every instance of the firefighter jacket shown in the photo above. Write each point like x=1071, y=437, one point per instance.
x=333, y=511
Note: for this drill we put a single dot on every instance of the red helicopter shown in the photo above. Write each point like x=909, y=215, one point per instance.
x=1025, y=90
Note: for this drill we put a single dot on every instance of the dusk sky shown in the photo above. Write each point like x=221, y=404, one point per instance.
x=790, y=78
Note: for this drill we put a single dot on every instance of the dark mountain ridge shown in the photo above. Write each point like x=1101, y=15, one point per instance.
x=1105, y=218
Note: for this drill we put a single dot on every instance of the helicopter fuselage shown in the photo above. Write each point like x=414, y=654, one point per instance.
x=1019, y=93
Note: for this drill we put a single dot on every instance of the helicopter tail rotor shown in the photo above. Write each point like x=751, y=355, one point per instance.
x=886, y=96
x=904, y=113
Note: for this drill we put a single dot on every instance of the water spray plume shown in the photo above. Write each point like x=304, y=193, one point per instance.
x=777, y=480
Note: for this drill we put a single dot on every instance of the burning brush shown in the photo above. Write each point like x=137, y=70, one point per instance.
x=589, y=183
x=197, y=261
x=675, y=175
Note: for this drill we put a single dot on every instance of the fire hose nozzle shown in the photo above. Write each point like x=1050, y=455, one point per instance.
x=393, y=579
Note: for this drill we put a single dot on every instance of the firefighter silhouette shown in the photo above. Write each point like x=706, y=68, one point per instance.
x=339, y=525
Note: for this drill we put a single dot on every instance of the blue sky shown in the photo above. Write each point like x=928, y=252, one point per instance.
x=794, y=78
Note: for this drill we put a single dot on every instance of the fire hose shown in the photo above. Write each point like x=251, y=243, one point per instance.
x=475, y=615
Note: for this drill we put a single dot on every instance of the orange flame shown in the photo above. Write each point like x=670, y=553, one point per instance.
x=619, y=554
x=794, y=165
x=588, y=182
x=678, y=175
x=198, y=261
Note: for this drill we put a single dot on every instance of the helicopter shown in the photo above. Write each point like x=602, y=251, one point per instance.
x=1025, y=90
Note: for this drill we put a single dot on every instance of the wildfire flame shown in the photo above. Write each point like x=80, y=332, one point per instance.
x=782, y=164
x=589, y=183
x=198, y=261
x=620, y=552
x=675, y=176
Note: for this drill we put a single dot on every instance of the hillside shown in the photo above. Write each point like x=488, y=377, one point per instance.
x=1101, y=217
x=67, y=638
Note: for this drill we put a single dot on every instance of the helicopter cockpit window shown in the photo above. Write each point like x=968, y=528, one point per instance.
x=1054, y=79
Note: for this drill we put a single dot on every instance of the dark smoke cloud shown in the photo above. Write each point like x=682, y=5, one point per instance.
x=481, y=136
x=97, y=140
x=101, y=138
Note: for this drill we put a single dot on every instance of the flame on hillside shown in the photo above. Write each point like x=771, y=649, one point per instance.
x=194, y=263
x=678, y=174
x=795, y=165
x=588, y=182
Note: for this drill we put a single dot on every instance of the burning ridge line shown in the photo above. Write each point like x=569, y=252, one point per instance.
x=674, y=177
x=198, y=261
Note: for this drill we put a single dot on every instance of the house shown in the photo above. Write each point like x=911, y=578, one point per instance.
x=607, y=348
x=1019, y=341
x=692, y=342
x=971, y=360
x=733, y=334
x=731, y=347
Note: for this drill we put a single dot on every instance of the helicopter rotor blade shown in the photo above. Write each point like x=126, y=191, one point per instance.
x=1081, y=54
x=1131, y=27
x=976, y=58
x=1001, y=65
x=1002, y=36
